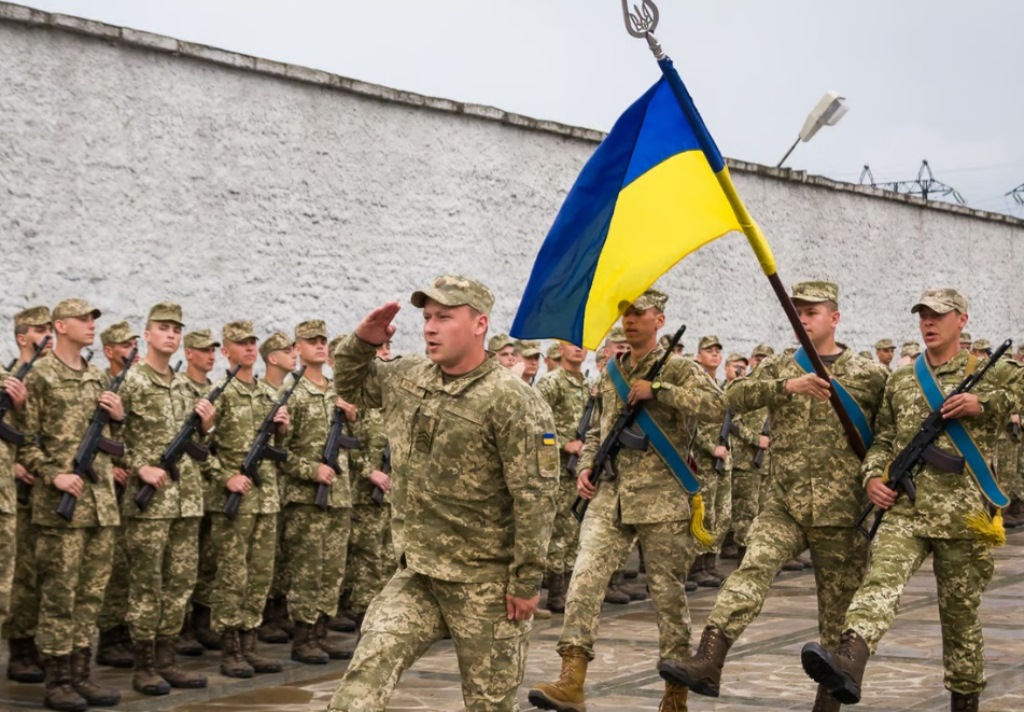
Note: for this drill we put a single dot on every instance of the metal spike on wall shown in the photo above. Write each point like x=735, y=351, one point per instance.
x=1017, y=194
x=925, y=185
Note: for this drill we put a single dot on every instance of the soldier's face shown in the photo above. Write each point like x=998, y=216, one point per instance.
x=531, y=365
x=452, y=334
x=313, y=351
x=573, y=354
x=710, y=358
x=384, y=351
x=163, y=336
x=507, y=356
x=287, y=359
x=614, y=348
x=819, y=320
x=80, y=330
x=940, y=331
x=754, y=361
x=734, y=370
x=201, y=359
x=117, y=353
x=885, y=355
x=34, y=336
x=642, y=327
x=242, y=353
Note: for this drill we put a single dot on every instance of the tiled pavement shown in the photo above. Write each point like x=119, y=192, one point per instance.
x=763, y=670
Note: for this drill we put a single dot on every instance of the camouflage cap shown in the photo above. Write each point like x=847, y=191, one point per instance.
x=75, y=307
x=664, y=340
x=816, y=292
x=117, y=333
x=238, y=331
x=554, y=352
x=650, y=298
x=867, y=354
x=965, y=337
x=734, y=358
x=941, y=301
x=453, y=290
x=333, y=345
x=528, y=349
x=166, y=311
x=763, y=350
x=311, y=329
x=981, y=345
x=789, y=350
x=616, y=335
x=910, y=348
x=33, y=316
x=883, y=344
x=277, y=341
x=709, y=341
x=497, y=342
x=200, y=339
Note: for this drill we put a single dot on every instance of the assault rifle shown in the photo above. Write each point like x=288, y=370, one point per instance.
x=261, y=449
x=385, y=467
x=9, y=434
x=723, y=440
x=766, y=431
x=906, y=464
x=181, y=445
x=13, y=363
x=1015, y=431
x=93, y=442
x=581, y=433
x=621, y=435
x=337, y=440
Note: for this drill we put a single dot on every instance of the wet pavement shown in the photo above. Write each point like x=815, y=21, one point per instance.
x=762, y=672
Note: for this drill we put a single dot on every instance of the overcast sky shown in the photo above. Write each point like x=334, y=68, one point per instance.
x=933, y=79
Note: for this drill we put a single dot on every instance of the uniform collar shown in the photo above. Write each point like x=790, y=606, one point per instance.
x=464, y=382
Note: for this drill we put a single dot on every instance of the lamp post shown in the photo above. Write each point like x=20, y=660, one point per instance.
x=827, y=112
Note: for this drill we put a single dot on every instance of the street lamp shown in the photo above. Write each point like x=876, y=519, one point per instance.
x=827, y=112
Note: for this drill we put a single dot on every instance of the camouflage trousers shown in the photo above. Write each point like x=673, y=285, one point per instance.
x=963, y=570
x=206, y=573
x=565, y=537
x=746, y=501
x=24, y=610
x=246, y=549
x=8, y=530
x=1007, y=465
x=414, y=611
x=839, y=555
x=718, y=501
x=315, y=543
x=162, y=556
x=115, y=601
x=282, y=566
x=371, y=554
x=73, y=568
x=669, y=550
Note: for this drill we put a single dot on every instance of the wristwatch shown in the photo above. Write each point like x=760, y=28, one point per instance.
x=658, y=386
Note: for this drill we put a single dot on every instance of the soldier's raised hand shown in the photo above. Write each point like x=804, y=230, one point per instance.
x=376, y=327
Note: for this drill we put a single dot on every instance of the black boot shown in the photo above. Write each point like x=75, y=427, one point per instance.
x=963, y=703
x=23, y=665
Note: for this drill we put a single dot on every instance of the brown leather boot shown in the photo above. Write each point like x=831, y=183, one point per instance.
x=261, y=664
x=304, y=647
x=269, y=632
x=59, y=693
x=232, y=663
x=282, y=618
x=114, y=648
x=342, y=623
x=23, y=665
x=824, y=702
x=81, y=680
x=711, y=567
x=145, y=678
x=842, y=672
x=703, y=672
x=963, y=703
x=185, y=643
x=614, y=593
x=674, y=699
x=167, y=666
x=556, y=592
x=566, y=693
x=699, y=574
x=335, y=651
x=201, y=627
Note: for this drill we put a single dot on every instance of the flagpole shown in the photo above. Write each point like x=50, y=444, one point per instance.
x=641, y=24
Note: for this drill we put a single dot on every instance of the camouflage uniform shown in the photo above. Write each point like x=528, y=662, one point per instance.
x=8, y=516
x=480, y=481
x=748, y=481
x=936, y=524
x=645, y=502
x=717, y=488
x=566, y=393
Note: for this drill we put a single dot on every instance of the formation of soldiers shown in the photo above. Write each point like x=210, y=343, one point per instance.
x=455, y=493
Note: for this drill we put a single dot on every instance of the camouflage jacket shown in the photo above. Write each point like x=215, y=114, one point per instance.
x=814, y=470
x=61, y=402
x=371, y=433
x=704, y=445
x=944, y=499
x=567, y=396
x=477, y=477
x=154, y=413
x=646, y=491
x=8, y=456
x=241, y=409
x=745, y=438
x=312, y=410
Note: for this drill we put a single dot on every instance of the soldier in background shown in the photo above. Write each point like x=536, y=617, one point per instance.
x=908, y=352
x=529, y=357
x=966, y=341
x=885, y=351
x=759, y=354
x=717, y=487
x=505, y=350
x=553, y=357
x=981, y=348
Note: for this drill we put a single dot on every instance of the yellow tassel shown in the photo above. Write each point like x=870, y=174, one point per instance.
x=990, y=529
x=697, y=522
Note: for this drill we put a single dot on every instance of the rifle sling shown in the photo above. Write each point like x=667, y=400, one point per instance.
x=939, y=458
x=850, y=404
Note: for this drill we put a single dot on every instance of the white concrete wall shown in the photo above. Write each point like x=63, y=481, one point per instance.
x=130, y=175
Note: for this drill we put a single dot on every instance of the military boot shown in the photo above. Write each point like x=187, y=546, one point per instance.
x=566, y=693
x=145, y=678
x=841, y=672
x=711, y=569
x=114, y=650
x=730, y=549
x=59, y=693
x=699, y=574
x=335, y=651
x=342, y=623
x=23, y=665
x=614, y=593
x=232, y=663
x=81, y=680
x=201, y=627
x=703, y=672
x=269, y=632
x=304, y=647
x=167, y=666
x=185, y=643
x=824, y=702
x=247, y=639
x=556, y=592
x=674, y=699
x=963, y=703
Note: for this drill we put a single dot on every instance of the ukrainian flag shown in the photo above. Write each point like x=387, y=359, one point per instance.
x=651, y=194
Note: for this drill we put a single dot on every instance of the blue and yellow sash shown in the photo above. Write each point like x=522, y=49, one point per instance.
x=850, y=404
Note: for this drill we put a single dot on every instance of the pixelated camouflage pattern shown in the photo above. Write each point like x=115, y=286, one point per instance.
x=246, y=549
x=371, y=554
x=315, y=544
x=162, y=558
x=311, y=409
x=370, y=430
x=566, y=394
x=8, y=455
x=8, y=530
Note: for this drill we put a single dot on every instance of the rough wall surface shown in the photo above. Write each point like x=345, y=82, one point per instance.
x=129, y=176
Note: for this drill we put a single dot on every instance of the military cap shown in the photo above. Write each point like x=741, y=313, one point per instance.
x=789, y=350
x=275, y=342
x=709, y=341
x=74, y=307
x=981, y=345
x=554, y=352
x=910, y=348
x=941, y=301
x=650, y=298
x=884, y=344
x=310, y=329
x=117, y=333
x=733, y=358
x=528, y=349
x=965, y=337
x=333, y=345
x=200, y=339
x=33, y=316
x=453, y=290
x=497, y=342
x=166, y=311
x=616, y=335
x=763, y=350
x=867, y=354
x=816, y=292
x=238, y=331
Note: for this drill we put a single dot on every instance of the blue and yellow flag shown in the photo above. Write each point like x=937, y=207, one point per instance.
x=651, y=194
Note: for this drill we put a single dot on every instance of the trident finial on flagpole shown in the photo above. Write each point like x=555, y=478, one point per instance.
x=642, y=22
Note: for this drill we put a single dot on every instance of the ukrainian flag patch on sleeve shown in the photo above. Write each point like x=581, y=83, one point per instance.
x=548, y=439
